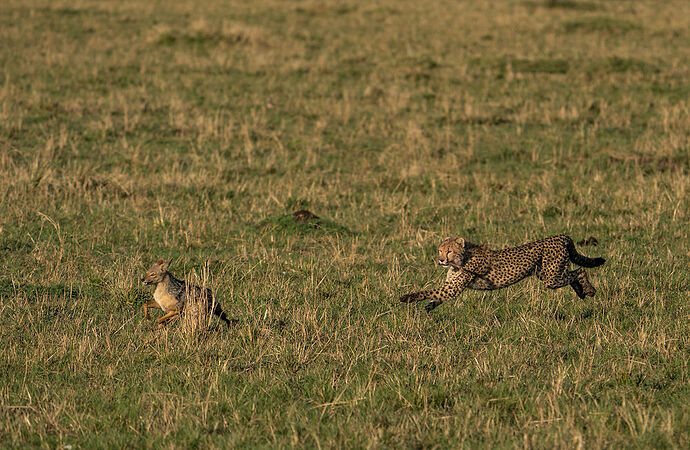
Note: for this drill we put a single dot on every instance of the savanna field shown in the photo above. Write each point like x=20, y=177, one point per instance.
x=133, y=130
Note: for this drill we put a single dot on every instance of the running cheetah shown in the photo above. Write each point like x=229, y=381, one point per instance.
x=476, y=267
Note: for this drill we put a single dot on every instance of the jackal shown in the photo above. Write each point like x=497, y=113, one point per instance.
x=171, y=295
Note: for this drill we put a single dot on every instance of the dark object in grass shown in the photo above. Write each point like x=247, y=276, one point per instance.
x=304, y=216
x=589, y=241
x=301, y=222
x=274, y=324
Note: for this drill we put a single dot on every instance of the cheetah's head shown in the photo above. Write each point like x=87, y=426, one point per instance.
x=450, y=252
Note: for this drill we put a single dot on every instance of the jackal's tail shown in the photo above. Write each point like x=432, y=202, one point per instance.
x=582, y=260
x=222, y=316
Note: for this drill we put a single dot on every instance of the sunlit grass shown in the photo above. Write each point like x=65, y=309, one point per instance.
x=136, y=130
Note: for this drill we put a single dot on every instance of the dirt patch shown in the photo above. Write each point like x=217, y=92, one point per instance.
x=304, y=215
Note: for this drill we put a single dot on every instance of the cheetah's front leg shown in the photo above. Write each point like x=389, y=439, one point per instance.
x=423, y=295
x=438, y=296
x=434, y=294
x=414, y=297
x=451, y=289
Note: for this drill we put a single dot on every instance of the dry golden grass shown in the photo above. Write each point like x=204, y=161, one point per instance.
x=132, y=130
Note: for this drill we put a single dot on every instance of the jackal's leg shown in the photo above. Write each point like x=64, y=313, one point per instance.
x=150, y=305
x=166, y=318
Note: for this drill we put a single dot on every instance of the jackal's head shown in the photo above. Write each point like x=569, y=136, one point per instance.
x=450, y=252
x=156, y=272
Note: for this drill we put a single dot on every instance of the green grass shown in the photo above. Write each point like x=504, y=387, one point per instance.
x=136, y=130
x=604, y=25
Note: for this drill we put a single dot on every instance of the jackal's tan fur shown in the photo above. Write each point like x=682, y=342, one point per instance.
x=171, y=295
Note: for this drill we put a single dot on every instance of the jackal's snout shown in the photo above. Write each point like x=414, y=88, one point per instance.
x=148, y=279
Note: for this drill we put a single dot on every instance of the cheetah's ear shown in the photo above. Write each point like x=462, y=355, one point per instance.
x=457, y=260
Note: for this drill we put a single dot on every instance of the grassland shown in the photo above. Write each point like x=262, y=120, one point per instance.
x=131, y=130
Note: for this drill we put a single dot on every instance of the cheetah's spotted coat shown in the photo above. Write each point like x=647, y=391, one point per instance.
x=476, y=267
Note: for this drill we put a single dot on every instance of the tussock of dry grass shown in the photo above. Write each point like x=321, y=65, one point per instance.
x=132, y=130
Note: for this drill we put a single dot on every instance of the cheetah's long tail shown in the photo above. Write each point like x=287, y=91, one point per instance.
x=582, y=260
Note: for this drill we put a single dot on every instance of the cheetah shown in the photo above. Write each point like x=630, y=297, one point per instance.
x=477, y=267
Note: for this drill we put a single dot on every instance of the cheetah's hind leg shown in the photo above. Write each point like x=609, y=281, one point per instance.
x=577, y=287
x=577, y=279
x=559, y=279
x=587, y=287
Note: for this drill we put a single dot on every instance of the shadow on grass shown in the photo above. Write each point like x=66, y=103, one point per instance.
x=600, y=24
x=563, y=4
x=557, y=66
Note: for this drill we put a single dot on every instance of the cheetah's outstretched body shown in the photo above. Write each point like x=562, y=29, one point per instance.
x=476, y=267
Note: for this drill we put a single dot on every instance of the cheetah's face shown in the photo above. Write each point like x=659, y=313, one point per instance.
x=156, y=273
x=450, y=252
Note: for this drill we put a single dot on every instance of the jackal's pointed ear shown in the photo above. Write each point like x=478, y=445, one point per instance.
x=160, y=261
x=165, y=264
